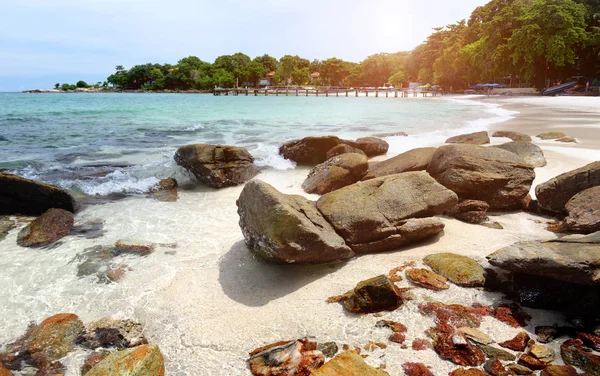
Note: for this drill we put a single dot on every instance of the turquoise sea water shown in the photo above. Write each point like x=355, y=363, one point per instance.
x=107, y=143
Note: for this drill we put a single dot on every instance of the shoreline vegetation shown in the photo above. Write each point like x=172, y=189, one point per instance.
x=518, y=43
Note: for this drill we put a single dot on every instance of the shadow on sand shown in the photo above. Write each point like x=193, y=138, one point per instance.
x=253, y=282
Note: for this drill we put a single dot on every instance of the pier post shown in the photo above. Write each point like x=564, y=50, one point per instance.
x=326, y=93
x=346, y=93
x=356, y=93
x=286, y=92
x=266, y=92
x=386, y=93
x=367, y=92
x=376, y=93
x=337, y=92
x=317, y=92
x=255, y=92
x=296, y=92
x=307, y=92
x=395, y=93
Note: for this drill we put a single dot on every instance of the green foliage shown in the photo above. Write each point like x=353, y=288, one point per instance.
x=65, y=87
x=397, y=79
x=300, y=76
x=82, y=84
x=56, y=85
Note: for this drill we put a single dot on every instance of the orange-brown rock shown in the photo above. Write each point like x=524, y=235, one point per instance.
x=476, y=138
x=515, y=136
x=575, y=354
x=343, y=149
x=450, y=344
x=551, y=135
x=427, y=279
x=459, y=269
x=567, y=139
x=416, y=369
x=374, y=295
x=165, y=190
x=347, y=363
x=4, y=371
x=335, y=173
x=309, y=150
x=531, y=362
x=559, y=370
x=495, y=368
x=519, y=343
x=590, y=340
x=144, y=360
x=470, y=211
x=510, y=316
x=468, y=372
x=372, y=146
x=455, y=314
x=421, y=344
x=51, y=226
x=92, y=359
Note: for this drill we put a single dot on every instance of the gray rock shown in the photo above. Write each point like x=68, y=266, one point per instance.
x=412, y=160
x=530, y=153
x=287, y=228
x=584, y=212
x=335, y=173
x=515, y=136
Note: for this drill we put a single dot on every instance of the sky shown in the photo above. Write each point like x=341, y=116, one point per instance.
x=43, y=42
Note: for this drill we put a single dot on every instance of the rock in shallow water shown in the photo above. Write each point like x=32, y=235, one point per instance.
x=108, y=332
x=51, y=226
x=144, y=360
x=348, y=364
x=165, y=190
x=515, y=136
x=374, y=295
x=343, y=149
x=372, y=146
x=459, y=269
x=476, y=138
x=289, y=358
x=24, y=196
x=309, y=150
x=287, y=228
x=6, y=224
x=428, y=279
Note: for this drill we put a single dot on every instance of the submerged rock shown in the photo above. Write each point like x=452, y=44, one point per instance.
x=530, y=153
x=416, y=369
x=29, y=197
x=427, y=279
x=290, y=358
x=309, y=150
x=371, y=216
x=476, y=138
x=554, y=194
x=574, y=354
x=519, y=343
x=144, y=360
x=412, y=160
x=287, y=228
x=470, y=211
x=46, y=229
x=583, y=212
x=550, y=135
x=374, y=295
x=165, y=190
x=217, y=166
x=459, y=269
x=108, y=332
x=335, y=173
x=372, y=146
x=460, y=352
x=347, y=364
x=136, y=247
x=515, y=136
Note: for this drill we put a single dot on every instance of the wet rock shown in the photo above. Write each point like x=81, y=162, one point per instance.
x=372, y=146
x=29, y=197
x=144, y=360
x=495, y=368
x=135, y=247
x=397, y=338
x=165, y=190
x=496, y=176
x=416, y=369
x=92, y=359
x=374, y=295
x=90, y=230
x=542, y=353
x=515, y=136
x=550, y=135
x=559, y=370
x=567, y=139
x=421, y=344
x=371, y=216
x=510, y=315
x=343, y=149
x=412, y=160
x=346, y=364
x=531, y=362
x=395, y=326
x=476, y=138
x=51, y=369
x=470, y=211
x=583, y=212
x=460, y=270
x=554, y=194
x=464, y=354
x=590, y=340
x=217, y=166
x=4, y=371
x=51, y=226
x=530, y=153
x=519, y=343
x=519, y=369
x=53, y=338
x=475, y=335
x=546, y=334
x=496, y=353
x=455, y=314
x=309, y=150
x=293, y=358
x=467, y=372
x=574, y=354
x=335, y=173
x=427, y=279
x=573, y=259
x=108, y=332
x=287, y=228
x=6, y=224
x=329, y=349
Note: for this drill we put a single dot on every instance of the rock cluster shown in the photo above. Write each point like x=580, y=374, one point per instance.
x=315, y=150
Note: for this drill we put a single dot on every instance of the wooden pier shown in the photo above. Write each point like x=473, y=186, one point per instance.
x=324, y=92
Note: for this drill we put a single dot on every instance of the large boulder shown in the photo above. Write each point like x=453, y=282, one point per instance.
x=556, y=192
x=372, y=146
x=144, y=360
x=584, y=212
x=335, y=173
x=496, y=176
x=24, y=196
x=530, y=153
x=476, y=138
x=572, y=258
x=373, y=215
x=412, y=160
x=287, y=228
x=459, y=269
x=343, y=149
x=217, y=166
x=309, y=150
x=348, y=364
x=515, y=136
x=46, y=229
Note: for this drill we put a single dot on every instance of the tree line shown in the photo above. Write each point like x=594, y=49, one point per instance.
x=531, y=41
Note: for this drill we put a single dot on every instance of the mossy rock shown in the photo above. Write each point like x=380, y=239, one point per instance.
x=461, y=270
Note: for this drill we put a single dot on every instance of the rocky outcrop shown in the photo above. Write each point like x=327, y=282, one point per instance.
x=459, y=269
x=477, y=138
x=496, y=176
x=293, y=358
x=550, y=135
x=372, y=216
x=217, y=166
x=427, y=279
x=583, y=212
x=24, y=196
x=309, y=150
x=335, y=173
x=343, y=149
x=515, y=136
x=348, y=364
x=51, y=226
x=530, y=153
x=470, y=211
x=107, y=332
x=144, y=360
x=554, y=194
x=412, y=160
x=165, y=190
x=287, y=228
x=372, y=146
x=574, y=259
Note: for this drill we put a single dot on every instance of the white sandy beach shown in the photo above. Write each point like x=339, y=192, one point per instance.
x=212, y=302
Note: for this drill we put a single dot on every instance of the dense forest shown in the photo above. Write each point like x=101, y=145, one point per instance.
x=505, y=41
